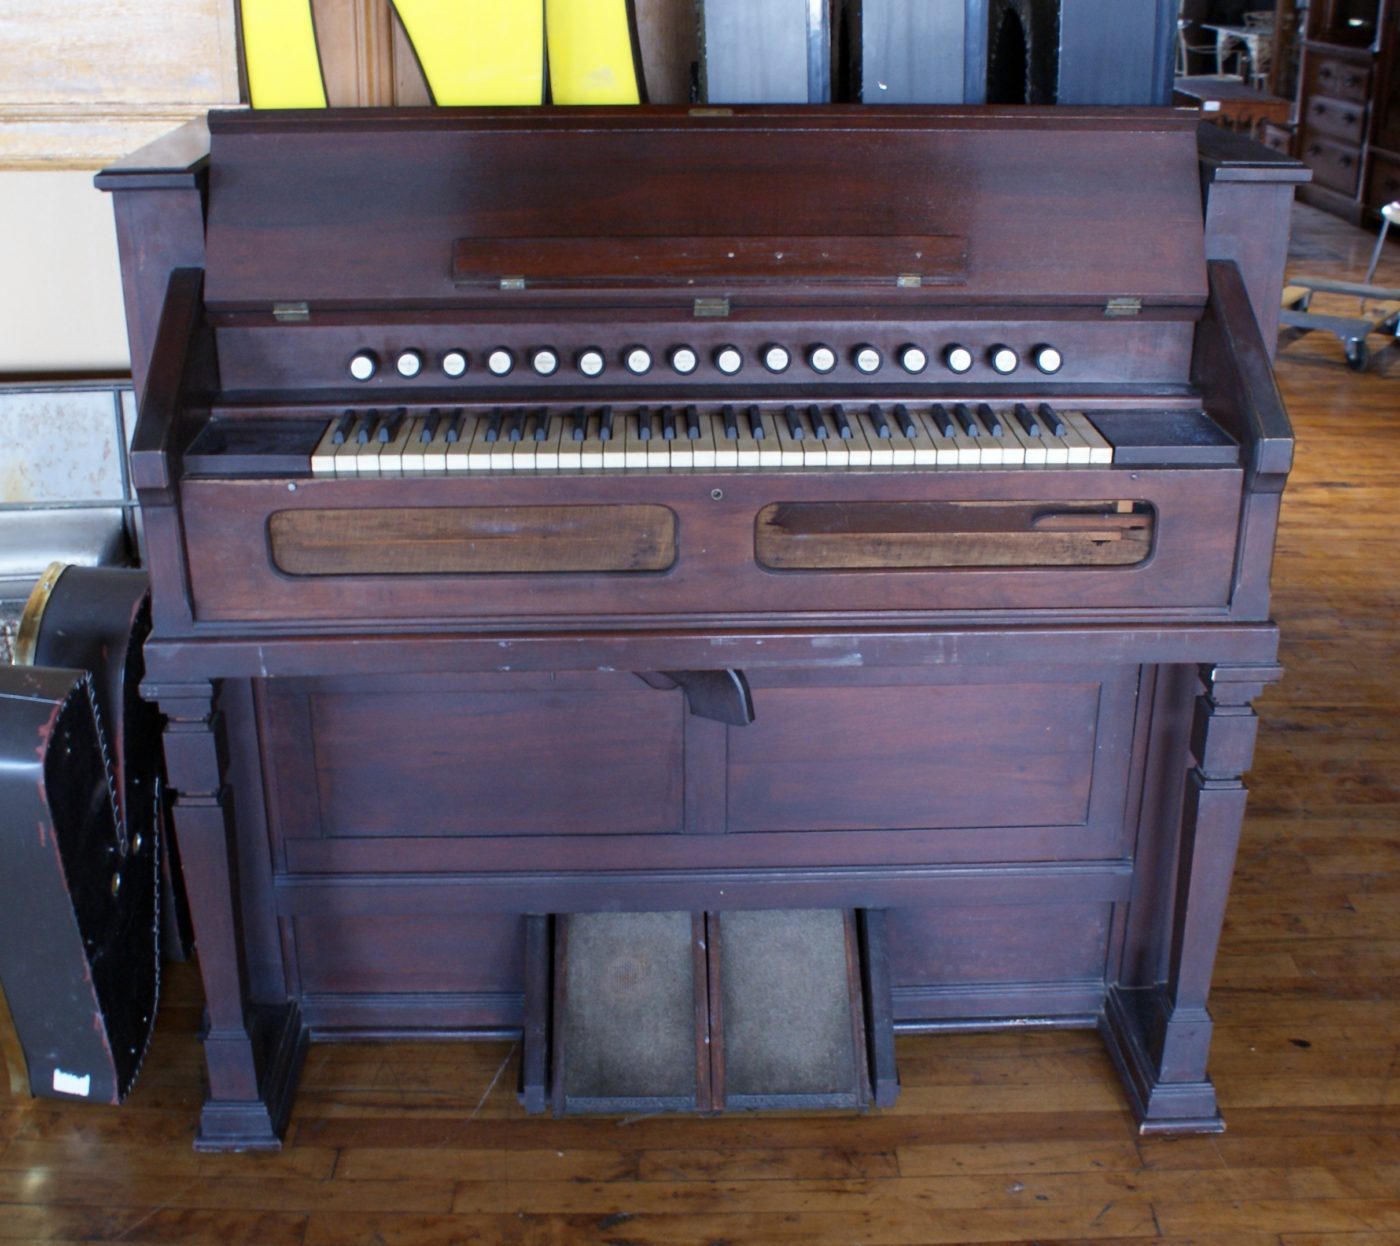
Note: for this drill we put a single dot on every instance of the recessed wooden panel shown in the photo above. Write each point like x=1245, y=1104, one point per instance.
x=832, y=536
x=460, y=763
x=395, y=955
x=998, y=944
x=892, y=757
x=601, y=261
x=466, y=540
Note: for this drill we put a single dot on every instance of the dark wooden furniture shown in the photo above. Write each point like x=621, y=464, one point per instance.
x=390, y=773
x=1231, y=102
x=1349, y=106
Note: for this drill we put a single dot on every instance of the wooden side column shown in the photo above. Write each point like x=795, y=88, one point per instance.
x=1160, y=1039
x=252, y=1054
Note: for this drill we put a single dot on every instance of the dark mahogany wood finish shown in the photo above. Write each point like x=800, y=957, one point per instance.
x=398, y=754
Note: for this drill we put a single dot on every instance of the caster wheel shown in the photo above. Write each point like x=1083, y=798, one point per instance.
x=1358, y=355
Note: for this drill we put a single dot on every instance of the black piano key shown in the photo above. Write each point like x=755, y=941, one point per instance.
x=1051, y=419
x=454, y=428
x=542, y=419
x=991, y=421
x=905, y=422
x=389, y=427
x=430, y=427
x=493, y=425
x=578, y=422
x=963, y=414
x=515, y=424
x=605, y=424
x=668, y=423
x=343, y=427
x=838, y=417
x=794, y=423
x=756, y=424
x=692, y=423
x=365, y=430
x=1027, y=420
x=877, y=417
x=819, y=428
x=644, y=423
x=731, y=425
x=941, y=419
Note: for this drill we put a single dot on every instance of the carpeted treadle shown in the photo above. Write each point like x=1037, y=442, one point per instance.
x=627, y=1019
x=786, y=987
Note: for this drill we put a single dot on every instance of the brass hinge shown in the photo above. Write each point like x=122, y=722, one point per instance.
x=711, y=309
x=1124, y=305
x=711, y=112
x=909, y=281
x=291, y=313
x=512, y=283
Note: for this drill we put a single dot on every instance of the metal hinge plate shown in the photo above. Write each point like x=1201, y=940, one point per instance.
x=291, y=313
x=711, y=309
x=1123, y=306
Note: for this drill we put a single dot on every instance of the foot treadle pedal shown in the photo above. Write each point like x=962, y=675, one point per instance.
x=708, y=1012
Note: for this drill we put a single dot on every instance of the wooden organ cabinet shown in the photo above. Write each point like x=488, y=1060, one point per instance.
x=1349, y=106
x=704, y=520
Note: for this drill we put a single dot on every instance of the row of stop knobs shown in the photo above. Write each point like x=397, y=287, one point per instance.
x=729, y=360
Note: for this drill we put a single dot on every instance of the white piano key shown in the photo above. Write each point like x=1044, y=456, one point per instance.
x=1012, y=443
x=501, y=454
x=814, y=447
x=635, y=449
x=364, y=456
x=790, y=448
x=746, y=444
x=881, y=448
x=391, y=452
x=412, y=461
x=704, y=449
x=547, y=450
x=838, y=449
x=323, y=456
x=477, y=451
x=658, y=448
x=858, y=452
x=1033, y=444
x=614, y=452
x=726, y=448
x=591, y=449
x=1075, y=444
x=435, y=458
x=525, y=452
x=990, y=443
x=770, y=450
x=925, y=448
x=945, y=448
x=905, y=453
x=1099, y=449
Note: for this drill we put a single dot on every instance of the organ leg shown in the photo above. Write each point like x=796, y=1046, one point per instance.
x=1160, y=1039
x=253, y=1055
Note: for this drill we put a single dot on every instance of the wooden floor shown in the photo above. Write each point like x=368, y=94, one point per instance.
x=997, y=1138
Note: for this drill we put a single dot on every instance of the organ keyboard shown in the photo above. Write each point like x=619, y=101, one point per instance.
x=665, y=437
x=898, y=547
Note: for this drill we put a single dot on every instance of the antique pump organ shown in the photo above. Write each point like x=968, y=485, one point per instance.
x=711, y=520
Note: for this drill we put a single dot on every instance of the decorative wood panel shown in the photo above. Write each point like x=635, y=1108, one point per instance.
x=83, y=83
